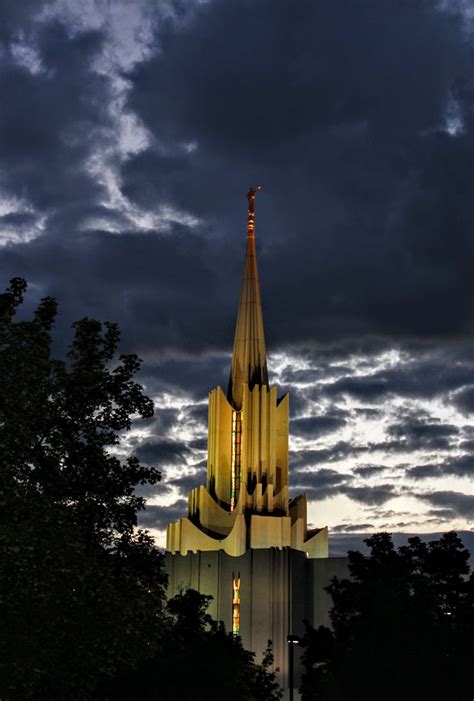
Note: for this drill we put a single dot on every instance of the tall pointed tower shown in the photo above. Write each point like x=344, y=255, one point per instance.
x=243, y=541
x=245, y=501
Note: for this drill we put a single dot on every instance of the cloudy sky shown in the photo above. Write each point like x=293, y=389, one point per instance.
x=130, y=132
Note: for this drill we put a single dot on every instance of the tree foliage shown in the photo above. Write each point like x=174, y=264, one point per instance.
x=198, y=661
x=83, y=613
x=81, y=590
x=403, y=626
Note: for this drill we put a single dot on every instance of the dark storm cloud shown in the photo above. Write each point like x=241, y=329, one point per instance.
x=425, y=378
x=323, y=483
x=316, y=426
x=186, y=482
x=462, y=466
x=424, y=471
x=164, y=420
x=467, y=445
x=168, y=422
x=350, y=528
x=318, y=484
x=364, y=225
x=198, y=414
x=300, y=400
x=163, y=452
x=198, y=443
x=159, y=516
x=403, y=438
x=369, y=470
x=334, y=122
x=324, y=107
x=369, y=413
x=319, y=478
x=464, y=400
x=50, y=122
x=153, y=491
x=372, y=496
x=124, y=272
x=16, y=16
x=414, y=434
x=192, y=375
x=339, y=451
x=441, y=513
x=461, y=504
x=291, y=376
x=100, y=274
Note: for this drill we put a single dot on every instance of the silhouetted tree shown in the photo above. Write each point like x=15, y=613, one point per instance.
x=80, y=589
x=212, y=657
x=403, y=626
x=197, y=661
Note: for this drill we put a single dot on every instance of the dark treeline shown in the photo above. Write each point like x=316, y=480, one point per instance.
x=403, y=626
x=83, y=612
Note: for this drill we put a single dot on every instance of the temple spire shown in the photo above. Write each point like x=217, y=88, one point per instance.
x=249, y=361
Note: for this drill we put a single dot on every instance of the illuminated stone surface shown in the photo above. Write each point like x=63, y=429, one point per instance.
x=245, y=502
x=242, y=520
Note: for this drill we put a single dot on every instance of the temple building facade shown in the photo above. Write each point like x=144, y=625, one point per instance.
x=244, y=541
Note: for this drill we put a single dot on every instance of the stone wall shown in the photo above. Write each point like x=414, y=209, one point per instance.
x=279, y=588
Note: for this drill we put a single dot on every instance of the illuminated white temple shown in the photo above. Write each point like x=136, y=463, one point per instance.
x=243, y=540
x=245, y=502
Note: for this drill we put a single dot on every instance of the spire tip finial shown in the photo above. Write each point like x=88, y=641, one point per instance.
x=251, y=198
x=251, y=194
x=249, y=363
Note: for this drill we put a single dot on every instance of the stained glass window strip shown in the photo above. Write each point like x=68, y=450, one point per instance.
x=235, y=604
x=236, y=455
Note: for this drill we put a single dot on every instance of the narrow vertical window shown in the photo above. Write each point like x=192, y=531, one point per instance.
x=235, y=604
x=236, y=455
